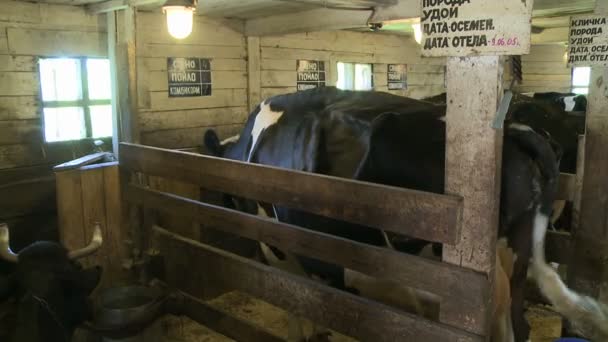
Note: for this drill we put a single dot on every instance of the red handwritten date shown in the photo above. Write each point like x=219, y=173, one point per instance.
x=505, y=42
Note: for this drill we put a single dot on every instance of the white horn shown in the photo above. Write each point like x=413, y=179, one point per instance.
x=5, y=248
x=93, y=246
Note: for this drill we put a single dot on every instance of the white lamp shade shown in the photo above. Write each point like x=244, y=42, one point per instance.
x=179, y=21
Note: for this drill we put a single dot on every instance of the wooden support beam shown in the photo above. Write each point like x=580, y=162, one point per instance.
x=322, y=19
x=125, y=64
x=351, y=315
x=254, y=72
x=589, y=267
x=473, y=167
x=115, y=5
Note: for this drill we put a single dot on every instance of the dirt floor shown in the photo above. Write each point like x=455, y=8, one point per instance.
x=546, y=325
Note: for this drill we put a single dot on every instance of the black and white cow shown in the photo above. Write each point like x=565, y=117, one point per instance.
x=49, y=290
x=392, y=140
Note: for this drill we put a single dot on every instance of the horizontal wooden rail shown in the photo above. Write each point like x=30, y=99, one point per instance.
x=422, y=215
x=457, y=287
x=348, y=314
x=567, y=187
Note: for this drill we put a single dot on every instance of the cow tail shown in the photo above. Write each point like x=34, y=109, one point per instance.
x=585, y=314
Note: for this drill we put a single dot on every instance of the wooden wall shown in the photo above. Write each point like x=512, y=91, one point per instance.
x=279, y=55
x=27, y=185
x=27, y=31
x=545, y=69
x=181, y=122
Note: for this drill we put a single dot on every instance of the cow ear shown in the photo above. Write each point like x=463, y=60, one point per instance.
x=8, y=285
x=212, y=142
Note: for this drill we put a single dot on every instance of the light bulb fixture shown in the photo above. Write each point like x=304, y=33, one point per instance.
x=417, y=32
x=179, y=17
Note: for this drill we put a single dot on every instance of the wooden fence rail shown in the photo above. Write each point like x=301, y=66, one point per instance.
x=346, y=313
x=427, y=216
x=456, y=286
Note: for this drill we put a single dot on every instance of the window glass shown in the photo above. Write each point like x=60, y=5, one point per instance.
x=363, y=77
x=98, y=74
x=64, y=123
x=580, y=90
x=101, y=121
x=60, y=79
x=581, y=76
x=354, y=76
x=71, y=112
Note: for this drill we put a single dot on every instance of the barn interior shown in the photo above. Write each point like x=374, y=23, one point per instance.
x=80, y=77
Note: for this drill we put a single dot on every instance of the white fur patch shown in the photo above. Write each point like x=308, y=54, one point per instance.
x=521, y=127
x=265, y=118
x=569, y=102
x=541, y=221
x=230, y=140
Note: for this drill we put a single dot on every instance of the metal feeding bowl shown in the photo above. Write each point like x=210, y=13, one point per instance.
x=125, y=311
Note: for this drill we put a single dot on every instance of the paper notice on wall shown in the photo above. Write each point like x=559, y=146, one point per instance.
x=397, y=76
x=188, y=77
x=588, y=41
x=475, y=27
x=311, y=74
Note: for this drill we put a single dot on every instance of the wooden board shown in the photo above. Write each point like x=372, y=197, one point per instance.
x=164, y=120
x=18, y=83
x=427, y=216
x=220, y=98
x=56, y=43
x=343, y=312
x=253, y=70
x=20, y=131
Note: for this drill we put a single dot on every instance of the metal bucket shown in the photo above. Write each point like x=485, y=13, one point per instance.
x=123, y=313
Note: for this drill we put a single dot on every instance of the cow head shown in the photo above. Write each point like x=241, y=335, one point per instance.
x=50, y=287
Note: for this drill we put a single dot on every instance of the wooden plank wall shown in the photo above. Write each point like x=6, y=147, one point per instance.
x=181, y=122
x=27, y=31
x=279, y=55
x=545, y=69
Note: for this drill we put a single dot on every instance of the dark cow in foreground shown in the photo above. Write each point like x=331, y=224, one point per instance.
x=397, y=141
x=49, y=290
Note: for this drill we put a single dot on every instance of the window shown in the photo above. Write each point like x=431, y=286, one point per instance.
x=581, y=77
x=354, y=76
x=76, y=98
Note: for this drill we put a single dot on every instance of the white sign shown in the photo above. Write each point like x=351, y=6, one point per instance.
x=588, y=42
x=475, y=27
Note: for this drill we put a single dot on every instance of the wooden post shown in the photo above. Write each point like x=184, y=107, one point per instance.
x=253, y=72
x=588, y=271
x=473, y=170
x=111, y=23
x=123, y=61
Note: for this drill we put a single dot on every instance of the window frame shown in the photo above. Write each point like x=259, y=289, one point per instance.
x=85, y=102
x=354, y=66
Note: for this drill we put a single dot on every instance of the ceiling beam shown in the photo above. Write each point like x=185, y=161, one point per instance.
x=115, y=5
x=321, y=19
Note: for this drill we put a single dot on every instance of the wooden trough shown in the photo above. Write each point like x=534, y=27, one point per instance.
x=198, y=269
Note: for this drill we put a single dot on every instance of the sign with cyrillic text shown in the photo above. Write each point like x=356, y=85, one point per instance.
x=453, y=28
x=588, y=42
x=397, y=76
x=311, y=74
x=189, y=77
